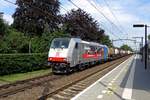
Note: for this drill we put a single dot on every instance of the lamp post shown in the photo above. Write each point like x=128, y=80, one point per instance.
x=30, y=45
x=142, y=25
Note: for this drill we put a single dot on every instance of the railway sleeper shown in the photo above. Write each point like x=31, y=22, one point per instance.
x=59, y=97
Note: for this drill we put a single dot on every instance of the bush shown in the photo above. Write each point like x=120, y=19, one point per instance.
x=17, y=42
x=14, y=42
x=17, y=63
x=42, y=44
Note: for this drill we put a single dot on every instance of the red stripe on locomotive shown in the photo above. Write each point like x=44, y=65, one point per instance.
x=57, y=59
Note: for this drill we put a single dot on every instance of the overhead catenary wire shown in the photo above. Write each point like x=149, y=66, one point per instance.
x=98, y=11
x=104, y=16
x=78, y=7
x=74, y=4
x=64, y=8
x=109, y=7
x=110, y=31
x=100, y=24
x=89, y=1
x=45, y=12
x=10, y=2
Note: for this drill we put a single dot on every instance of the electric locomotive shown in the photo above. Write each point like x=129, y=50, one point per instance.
x=69, y=54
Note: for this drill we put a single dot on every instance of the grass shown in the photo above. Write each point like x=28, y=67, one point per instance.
x=23, y=76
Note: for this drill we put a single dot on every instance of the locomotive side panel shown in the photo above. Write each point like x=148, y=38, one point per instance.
x=105, y=53
x=74, y=52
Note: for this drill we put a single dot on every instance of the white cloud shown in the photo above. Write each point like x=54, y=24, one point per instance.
x=8, y=18
x=127, y=12
x=8, y=9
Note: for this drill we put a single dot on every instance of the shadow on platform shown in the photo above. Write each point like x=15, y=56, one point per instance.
x=141, y=78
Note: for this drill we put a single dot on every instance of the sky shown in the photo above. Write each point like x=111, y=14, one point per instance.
x=125, y=14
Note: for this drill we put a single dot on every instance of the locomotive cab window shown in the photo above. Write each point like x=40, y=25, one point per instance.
x=76, y=45
x=60, y=43
x=99, y=50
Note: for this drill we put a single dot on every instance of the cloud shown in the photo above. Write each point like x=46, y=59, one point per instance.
x=121, y=14
x=8, y=9
x=127, y=12
x=8, y=19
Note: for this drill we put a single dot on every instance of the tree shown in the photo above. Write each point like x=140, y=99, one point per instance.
x=14, y=42
x=3, y=27
x=106, y=41
x=126, y=47
x=42, y=44
x=80, y=24
x=36, y=16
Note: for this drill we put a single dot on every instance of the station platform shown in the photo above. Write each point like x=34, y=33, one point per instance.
x=128, y=81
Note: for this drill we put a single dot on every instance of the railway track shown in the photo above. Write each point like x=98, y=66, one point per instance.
x=71, y=89
x=10, y=89
x=55, y=84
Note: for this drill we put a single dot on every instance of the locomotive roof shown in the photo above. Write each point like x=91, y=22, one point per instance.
x=82, y=41
x=86, y=42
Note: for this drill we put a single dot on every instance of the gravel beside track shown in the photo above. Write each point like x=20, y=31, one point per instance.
x=10, y=89
x=52, y=85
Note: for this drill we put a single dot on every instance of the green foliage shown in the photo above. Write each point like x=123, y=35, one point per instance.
x=3, y=27
x=80, y=24
x=126, y=47
x=36, y=22
x=16, y=63
x=17, y=42
x=14, y=42
x=42, y=44
x=23, y=76
x=34, y=17
x=149, y=36
x=106, y=41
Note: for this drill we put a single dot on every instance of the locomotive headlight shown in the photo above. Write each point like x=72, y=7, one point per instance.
x=65, y=59
x=49, y=59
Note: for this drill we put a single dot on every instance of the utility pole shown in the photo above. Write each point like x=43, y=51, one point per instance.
x=146, y=47
x=30, y=45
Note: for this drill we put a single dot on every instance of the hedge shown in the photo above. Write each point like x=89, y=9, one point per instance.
x=18, y=63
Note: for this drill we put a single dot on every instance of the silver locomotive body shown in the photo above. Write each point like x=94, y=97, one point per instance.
x=68, y=54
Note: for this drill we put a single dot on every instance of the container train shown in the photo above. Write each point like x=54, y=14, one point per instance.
x=69, y=54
